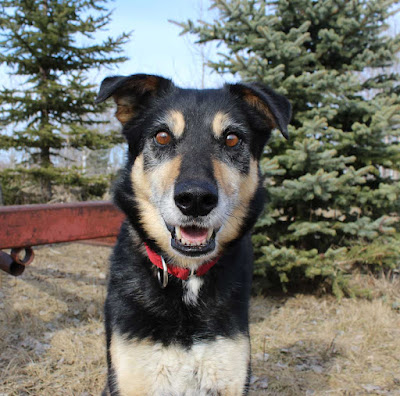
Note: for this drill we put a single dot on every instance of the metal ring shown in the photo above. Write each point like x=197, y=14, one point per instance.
x=164, y=281
x=27, y=259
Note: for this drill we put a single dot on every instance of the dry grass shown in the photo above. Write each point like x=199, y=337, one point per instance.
x=52, y=339
x=317, y=346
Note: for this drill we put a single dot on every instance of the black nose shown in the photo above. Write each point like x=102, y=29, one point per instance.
x=195, y=198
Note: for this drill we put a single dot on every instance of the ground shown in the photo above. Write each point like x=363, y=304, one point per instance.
x=52, y=337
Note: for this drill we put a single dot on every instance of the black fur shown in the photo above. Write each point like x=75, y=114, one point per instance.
x=136, y=305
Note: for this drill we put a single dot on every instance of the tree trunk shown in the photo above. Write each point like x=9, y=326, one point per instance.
x=45, y=183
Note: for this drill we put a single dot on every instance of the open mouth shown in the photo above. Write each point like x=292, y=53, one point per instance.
x=192, y=240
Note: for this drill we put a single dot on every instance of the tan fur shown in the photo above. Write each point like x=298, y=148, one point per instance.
x=256, y=102
x=142, y=184
x=220, y=122
x=226, y=177
x=125, y=109
x=149, y=185
x=161, y=179
x=164, y=176
x=232, y=181
x=176, y=122
x=145, y=368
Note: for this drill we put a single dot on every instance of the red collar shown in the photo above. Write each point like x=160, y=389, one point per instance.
x=181, y=273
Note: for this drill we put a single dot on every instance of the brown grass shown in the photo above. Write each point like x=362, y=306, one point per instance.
x=52, y=338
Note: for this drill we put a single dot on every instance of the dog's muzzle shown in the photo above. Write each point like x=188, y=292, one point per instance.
x=195, y=199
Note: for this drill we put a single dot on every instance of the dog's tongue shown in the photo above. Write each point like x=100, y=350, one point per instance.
x=194, y=234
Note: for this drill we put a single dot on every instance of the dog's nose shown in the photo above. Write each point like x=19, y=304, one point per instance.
x=195, y=198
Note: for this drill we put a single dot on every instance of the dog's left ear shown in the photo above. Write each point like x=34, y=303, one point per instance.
x=273, y=108
x=132, y=93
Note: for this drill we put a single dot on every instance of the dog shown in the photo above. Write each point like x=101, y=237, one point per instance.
x=176, y=312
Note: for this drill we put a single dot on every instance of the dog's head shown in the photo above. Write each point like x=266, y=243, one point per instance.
x=192, y=183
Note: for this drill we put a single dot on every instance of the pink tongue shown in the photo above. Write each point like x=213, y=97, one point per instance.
x=194, y=234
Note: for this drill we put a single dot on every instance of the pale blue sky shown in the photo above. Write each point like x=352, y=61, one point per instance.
x=155, y=45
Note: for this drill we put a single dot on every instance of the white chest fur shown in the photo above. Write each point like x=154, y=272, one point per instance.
x=216, y=367
x=191, y=289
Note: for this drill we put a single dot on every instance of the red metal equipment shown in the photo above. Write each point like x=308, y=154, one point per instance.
x=31, y=225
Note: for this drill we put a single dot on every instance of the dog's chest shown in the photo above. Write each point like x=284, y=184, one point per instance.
x=217, y=367
x=191, y=289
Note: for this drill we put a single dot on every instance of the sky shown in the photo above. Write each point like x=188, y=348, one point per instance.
x=156, y=46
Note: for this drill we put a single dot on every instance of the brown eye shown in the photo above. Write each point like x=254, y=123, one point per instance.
x=163, y=138
x=232, y=140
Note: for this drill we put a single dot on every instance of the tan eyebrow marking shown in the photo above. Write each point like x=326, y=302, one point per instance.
x=220, y=122
x=175, y=122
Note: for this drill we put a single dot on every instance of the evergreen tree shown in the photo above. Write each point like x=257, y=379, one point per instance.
x=334, y=186
x=44, y=44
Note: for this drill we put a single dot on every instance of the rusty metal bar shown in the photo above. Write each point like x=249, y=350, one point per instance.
x=8, y=265
x=32, y=225
x=109, y=241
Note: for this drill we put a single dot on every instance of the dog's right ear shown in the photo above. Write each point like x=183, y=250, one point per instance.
x=132, y=93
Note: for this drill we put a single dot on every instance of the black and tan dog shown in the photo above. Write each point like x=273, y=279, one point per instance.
x=177, y=304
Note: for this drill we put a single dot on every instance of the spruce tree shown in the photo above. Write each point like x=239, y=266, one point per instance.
x=49, y=46
x=334, y=186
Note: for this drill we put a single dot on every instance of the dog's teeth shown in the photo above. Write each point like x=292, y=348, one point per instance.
x=186, y=242
x=178, y=233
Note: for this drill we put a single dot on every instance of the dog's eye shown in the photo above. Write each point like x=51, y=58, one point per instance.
x=232, y=140
x=163, y=138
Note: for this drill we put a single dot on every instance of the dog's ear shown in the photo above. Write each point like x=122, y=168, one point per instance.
x=273, y=108
x=132, y=93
